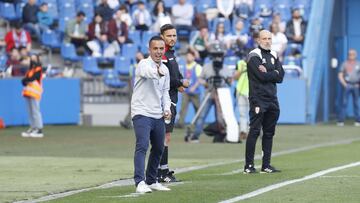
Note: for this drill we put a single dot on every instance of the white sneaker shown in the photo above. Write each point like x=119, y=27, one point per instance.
x=143, y=188
x=357, y=124
x=27, y=133
x=37, y=133
x=159, y=187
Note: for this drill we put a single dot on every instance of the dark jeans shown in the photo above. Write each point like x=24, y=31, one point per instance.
x=265, y=117
x=351, y=90
x=153, y=130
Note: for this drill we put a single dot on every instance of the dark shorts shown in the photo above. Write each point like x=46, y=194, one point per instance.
x=169, y=127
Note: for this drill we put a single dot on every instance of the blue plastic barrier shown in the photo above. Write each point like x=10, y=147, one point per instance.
x=60, y=102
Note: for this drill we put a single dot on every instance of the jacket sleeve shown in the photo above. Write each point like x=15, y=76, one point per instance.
x=281, y=71
x=175, y=75
x=145, y=70
x=166, y=97
x=253, y=67
x=36, y=76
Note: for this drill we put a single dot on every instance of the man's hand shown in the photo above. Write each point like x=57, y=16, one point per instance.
x=160, y=72
x=262, y=69
x=181, y=89
x=167, y=114
x=185, y=83
x=192, y=89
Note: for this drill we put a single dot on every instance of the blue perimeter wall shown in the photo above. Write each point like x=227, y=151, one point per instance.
x=60, y=102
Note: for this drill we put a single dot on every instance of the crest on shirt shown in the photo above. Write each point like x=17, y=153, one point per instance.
x=264, y=60
x=257, y=110
x=272, y=60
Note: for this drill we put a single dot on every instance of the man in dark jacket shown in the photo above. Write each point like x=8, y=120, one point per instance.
x=29, y=18
x=296, y=28
x=104, y=10
x=264, y=71
x=168, y=33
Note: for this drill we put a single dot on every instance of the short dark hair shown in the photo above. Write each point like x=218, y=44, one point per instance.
x=80, y=13
x=166, y=27
x=155, y=38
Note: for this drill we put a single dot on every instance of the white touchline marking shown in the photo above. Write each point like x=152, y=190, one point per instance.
x=288, y=182
x=127, y=182
x=344, y=176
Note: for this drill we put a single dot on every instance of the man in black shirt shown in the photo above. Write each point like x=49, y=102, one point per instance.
x=264, y=71
x=29, y=18
x=177, y=83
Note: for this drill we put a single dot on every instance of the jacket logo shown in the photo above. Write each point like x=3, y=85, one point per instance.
x=264, y=60
x=272, y=61
x=257, y=110
x=170, y=59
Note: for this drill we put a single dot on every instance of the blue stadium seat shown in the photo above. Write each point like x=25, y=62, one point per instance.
x=135, y=36
x=53, y=10
x=169, y=3
x=291, y=60
x=144, y=48
x=147, y=35
x=293, y=48
x=19, y=8
x=68, y=52
x=230, y=62
x=202, y=5
x=3, y=59
x=90, y=66
x=51, y=39
x=62, y=23
x=263, y=7
x=122, y=65
x=129, y=51
x=111, y=79
x=8, y=11
x=284, y=9
x=67, y=10
x=292, y=71
x=182, y=64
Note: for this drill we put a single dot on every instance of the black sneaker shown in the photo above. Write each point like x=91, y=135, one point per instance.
x=249, y=169
x=168, y=178
x=269, y=169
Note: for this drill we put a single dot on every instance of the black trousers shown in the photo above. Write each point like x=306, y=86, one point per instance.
x=265, y=117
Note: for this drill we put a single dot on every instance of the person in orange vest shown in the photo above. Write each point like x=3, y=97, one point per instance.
x=32, y=92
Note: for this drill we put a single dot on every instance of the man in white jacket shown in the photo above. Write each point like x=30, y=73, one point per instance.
x=150, y=105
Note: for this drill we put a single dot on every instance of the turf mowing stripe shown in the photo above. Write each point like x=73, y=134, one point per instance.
x=289, y=182
x=128, y=182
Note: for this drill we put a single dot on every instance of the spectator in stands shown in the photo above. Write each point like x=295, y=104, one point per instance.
x=17, y=37
x=200, y=21
x=131, y=4
x=75, y=32
x=279, y=40
x=13, y=65
x=243, y=8
x=104, y=10
x=160, y=16
x=199, y=44
x=44, y=18
x=225, y=8
x=349, y=77
x=141, y=17
x=118, y=30
x=252, y=42
x=29, y=18
x=256, y=25
x=192, y=93
x=277, y=19
x=113, y=4
x=125, y=17
x=98, y=37
x=239, y=39
x=182, y=13
x=220, y=35
x=296, y=28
